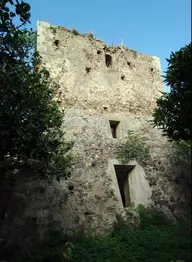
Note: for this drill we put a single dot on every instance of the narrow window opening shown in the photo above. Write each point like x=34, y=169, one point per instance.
x=122, y=77
x=122, y=173
x=56, y=42
x=151, y=69
x=114, y=125
x=129, y=63
x=98, y=52
x=108, y=60
x=88, y=69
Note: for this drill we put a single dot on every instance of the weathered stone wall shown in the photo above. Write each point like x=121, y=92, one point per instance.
x=125, y=92
x=90, y=198
x=131, y=84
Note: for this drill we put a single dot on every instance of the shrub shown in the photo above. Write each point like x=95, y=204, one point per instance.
x=134, y=148
x=151, y=216
x=54, y=30
x=155, y=240
x=75, y=32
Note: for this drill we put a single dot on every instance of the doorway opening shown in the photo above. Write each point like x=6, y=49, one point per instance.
x=122, y=174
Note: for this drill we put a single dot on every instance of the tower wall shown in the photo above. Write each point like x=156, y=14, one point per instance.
x=105, y=91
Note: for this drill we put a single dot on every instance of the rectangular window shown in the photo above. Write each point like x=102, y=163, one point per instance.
x=114, y=128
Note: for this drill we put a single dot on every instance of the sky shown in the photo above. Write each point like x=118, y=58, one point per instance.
x=153, y=27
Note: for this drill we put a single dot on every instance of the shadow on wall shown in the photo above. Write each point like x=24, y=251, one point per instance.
x=31, y=213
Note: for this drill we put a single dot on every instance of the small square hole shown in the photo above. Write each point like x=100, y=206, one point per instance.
x=114, y=125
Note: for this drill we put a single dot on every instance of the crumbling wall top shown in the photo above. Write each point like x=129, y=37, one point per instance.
x=94, y=75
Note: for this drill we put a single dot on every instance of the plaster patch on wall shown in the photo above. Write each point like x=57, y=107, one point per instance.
x=140, y=191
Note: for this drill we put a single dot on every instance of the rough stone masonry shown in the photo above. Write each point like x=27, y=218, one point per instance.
x=105, y=91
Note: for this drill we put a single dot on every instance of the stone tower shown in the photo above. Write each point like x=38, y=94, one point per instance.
x=106, y=91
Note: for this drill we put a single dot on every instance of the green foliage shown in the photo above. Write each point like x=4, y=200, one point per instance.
x=75, y=32
x=155, y=240
x=30, y=120
x=151, y=216
x=134, y=148
x=54, y=30
x=69, y=247
x=173, y=113
x=181, y=153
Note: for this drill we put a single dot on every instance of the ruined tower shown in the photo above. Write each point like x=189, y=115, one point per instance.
x=105, y=91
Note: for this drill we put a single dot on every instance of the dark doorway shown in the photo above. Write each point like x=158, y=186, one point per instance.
x=122, y=172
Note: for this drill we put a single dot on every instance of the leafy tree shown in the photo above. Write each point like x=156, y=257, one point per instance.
x=30, y=120
x=173, y=112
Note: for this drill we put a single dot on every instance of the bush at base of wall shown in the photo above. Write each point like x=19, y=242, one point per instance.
x=155, y=240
